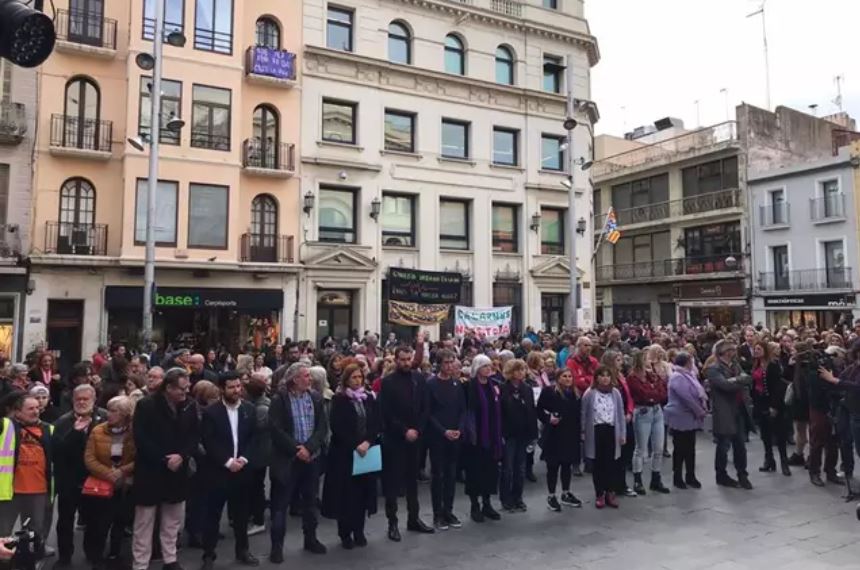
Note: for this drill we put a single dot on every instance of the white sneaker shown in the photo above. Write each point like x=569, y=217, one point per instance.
x=256, y=529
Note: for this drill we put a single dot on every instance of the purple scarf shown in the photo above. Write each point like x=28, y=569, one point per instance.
x=357, y=395
x=486, y=432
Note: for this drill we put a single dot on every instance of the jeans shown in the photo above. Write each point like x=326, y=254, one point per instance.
x=443, y=465
x=106, y=518
x=258, y=496
x=648, y=427
x=847, y=441
x=739, y=450
x=513, y=471
x=821, y=441
x=304, y=479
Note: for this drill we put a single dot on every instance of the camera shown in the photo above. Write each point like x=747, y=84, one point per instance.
x=29, y=548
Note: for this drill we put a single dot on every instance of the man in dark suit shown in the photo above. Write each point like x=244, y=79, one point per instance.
x=405, y=409
x=228, y=433
x=298, y=426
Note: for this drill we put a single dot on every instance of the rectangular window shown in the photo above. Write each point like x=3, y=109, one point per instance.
x=831, y=199
x=399, y=131
x=509, y=293
x=551, y=4
x=505, y=146
x=710, y=177
x=5, y=80
x=778, y=207
x=552, y=68
x=505, y=234
x=213, y=26
x=834, y=261
x=166, y=208
x=4, y=194
x=551, y=231
x=453, y=224
x=174, y=17
x=207, y=216
x=398, y=220
x=552, y=155
x=338, y=121
x=171, y=106
x=337, y=215
x=339, y=29
x=780, y=267
x=210, y=116
x=455, y=139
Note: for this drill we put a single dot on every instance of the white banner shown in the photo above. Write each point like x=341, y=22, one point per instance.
x=485, y=323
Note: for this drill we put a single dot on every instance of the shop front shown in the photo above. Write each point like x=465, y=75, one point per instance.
x=818, y=310
x=12, y=295
x=717, y=303
x=198, y=316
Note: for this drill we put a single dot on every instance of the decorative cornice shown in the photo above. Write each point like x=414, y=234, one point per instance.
x=478, y=14
x=348, y=67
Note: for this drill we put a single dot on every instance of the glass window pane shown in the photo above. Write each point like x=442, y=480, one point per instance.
x=551, y=153
x=339, y=29
x=336, y=215
x=551, y=227
x=551, y=74
x=164, y=225
x=398, y=132
x=398, y=50
x=453, y=225
x=504, y=147
x=504, y=66
x=338, y=122
x=453, y=62
x=397, y=219
x=454, y=140
x=207, y=216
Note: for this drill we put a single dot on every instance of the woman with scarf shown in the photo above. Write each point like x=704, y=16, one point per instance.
x=768, y=396
x=355, y=425
x=483, y=439
x=685, y=415
x=559, y=411
x=109, y=456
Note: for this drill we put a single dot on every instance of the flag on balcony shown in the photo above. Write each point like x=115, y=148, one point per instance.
x=611, y=229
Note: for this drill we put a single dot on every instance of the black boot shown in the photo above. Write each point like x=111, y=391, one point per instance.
x=657, y=483
x=850, y=493
x=393, y=531
x=489, y=512
x=815, y=479
x=784, y=465
x=796, y=460
x=769, y=465
x=638, y=487
x=476, y=513
x=678, y=481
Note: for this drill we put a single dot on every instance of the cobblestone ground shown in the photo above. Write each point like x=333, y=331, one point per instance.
x=783, y=523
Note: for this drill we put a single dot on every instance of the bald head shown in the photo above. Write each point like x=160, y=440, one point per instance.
x=196, y=361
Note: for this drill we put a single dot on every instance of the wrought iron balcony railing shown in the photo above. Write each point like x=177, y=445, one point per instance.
x=269, y=156
x=267, y=248
x=68, y=238
x=831, y=207
x=727, y=263
x=85, y=27
x=806, y=279
x=700, y=204
x=778, y=214
x=13, y=122
x=69, y=131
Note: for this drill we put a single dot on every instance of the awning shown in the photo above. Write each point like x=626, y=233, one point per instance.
x=119, y=297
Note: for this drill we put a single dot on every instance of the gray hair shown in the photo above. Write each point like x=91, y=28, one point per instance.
x=293, y=371
x=80, y=389
x=122, y=404
x=19, y=369
x=319, y=378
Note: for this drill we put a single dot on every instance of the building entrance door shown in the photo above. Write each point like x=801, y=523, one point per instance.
x=334, y=314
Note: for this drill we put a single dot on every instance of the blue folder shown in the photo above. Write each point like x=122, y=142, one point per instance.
x=370, y=463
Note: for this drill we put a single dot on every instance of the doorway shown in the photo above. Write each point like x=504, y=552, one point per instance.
x=334, y=314
x=86, y=19
x=552, y=311
x=65, y=332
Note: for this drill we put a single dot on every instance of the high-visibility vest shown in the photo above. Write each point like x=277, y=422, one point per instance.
x=7, y=460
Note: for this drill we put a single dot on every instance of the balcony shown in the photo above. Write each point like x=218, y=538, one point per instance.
x=269, y=66
x=273, y=160
x=806, y=280
x=672, y=269
x=13, y=122
x=267, y=248
x=507, y=7
x=67, y=238
x=827, y=209
x=84, y=32
x=84, y=138
x=774, y=216
x=683, y=147
x=694, y=206
x=210, y=140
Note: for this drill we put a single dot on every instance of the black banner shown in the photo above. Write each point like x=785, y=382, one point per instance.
x=196, y=298
x=415, y=286
x=834, y=301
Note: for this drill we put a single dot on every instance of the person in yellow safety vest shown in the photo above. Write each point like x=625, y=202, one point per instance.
x=26, y=478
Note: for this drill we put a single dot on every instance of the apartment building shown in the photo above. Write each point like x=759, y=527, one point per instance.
x=433, y=138
x=227, y=200
x=804, y=236
x=682, y=204
x=17, y=94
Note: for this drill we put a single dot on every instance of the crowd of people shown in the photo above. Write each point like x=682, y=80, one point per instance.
x=154, y=445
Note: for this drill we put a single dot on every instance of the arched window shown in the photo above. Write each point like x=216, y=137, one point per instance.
x=399, y=43
x=81, y=116
x=75, y=230
x=268, y=33
x=455, y=55
x=266, y=138
x=504, y=65
x=264, y=229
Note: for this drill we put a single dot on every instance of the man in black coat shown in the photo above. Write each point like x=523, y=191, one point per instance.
x=197, y=365
x=405, y=409
x=166, y=435
x=298, y=426
x=228, y=433
x=69, y=442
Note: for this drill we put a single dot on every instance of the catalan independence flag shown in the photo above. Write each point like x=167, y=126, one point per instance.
x=611, y=229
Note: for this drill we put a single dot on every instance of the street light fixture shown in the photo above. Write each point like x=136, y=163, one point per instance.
x=535, y=225
x=145, y=61
x=27, y=36
x=581, y=226
x=569, y=124
x=375, y=209
x=309, y=202
x=176, y=39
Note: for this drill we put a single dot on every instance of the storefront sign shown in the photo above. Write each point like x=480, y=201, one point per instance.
x=415, y=286
x=196, y=298
x=416, y=314
x=485, y=323
x=835, y=301
x=712, y=290
x=273, y=63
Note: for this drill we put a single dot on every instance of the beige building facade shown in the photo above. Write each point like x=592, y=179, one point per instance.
x=228, y=195
x=432, y=138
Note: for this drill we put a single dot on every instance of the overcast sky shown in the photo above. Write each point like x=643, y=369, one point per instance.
x=659, y=56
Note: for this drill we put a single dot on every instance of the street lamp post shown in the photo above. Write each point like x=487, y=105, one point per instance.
x=152, y=183
x=570, y=317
